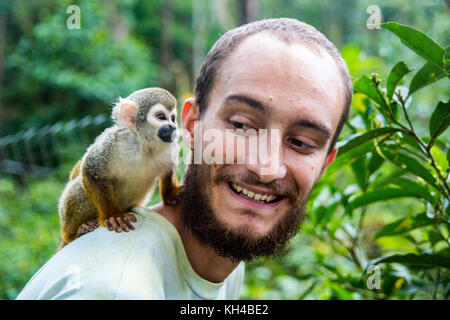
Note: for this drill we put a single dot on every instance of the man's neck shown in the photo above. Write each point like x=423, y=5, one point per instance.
x=204, y=260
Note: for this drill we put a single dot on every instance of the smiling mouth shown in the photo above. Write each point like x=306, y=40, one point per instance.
x=264, y=198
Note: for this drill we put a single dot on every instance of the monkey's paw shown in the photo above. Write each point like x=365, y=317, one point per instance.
x=87, y=227
x=121, y=222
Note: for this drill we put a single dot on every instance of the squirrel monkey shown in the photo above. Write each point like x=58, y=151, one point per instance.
x=119, y=170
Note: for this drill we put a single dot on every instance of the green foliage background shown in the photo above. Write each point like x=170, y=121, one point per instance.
x=373, y=202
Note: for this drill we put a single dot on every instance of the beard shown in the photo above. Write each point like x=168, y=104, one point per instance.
x=236, y=243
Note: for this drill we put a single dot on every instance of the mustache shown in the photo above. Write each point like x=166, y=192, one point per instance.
x=251, y=178
x=236, y=243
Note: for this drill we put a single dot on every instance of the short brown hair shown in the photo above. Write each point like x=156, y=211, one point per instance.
x=287, y=30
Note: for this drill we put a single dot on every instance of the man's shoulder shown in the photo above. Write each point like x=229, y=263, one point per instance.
x=152, y=236
x=114, y=265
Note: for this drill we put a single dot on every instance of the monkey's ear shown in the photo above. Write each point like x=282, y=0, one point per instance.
x=125, y=113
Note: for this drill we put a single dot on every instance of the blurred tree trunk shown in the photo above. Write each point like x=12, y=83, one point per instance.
x=166, y=56
x=221, y=12
x=117, y=21
x=247, y=10
x=199, y=40
x=2, y=59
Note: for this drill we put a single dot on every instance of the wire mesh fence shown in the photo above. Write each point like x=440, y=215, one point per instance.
x=38, y=152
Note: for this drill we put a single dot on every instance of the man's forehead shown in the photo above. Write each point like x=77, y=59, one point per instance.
x=285, y=75
x=265, y=54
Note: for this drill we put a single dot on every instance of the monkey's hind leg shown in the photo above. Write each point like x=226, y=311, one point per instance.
x=169, y=188
x=85, y=227
x=102, y=195
x=68, y=234
x=74, y=208
x=62, y=244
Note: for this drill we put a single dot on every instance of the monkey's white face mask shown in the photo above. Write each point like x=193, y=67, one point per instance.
x=159, y=117
x=160, y=121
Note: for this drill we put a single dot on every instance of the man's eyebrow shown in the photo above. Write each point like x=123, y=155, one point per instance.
x=313, y=125
x=255, y=104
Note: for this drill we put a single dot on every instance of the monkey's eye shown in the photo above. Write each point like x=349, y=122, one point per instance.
x=161, y=116
x=172, y=118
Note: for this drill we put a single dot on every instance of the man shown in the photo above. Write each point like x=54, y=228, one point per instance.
x=279, y=75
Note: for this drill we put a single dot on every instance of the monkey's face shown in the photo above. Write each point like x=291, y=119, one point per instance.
x=150, y=113
x=163, y=123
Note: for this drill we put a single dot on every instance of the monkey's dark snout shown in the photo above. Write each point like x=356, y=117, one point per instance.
x=165, y=133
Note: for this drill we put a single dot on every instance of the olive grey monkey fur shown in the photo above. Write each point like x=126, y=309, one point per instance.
x=120, y=169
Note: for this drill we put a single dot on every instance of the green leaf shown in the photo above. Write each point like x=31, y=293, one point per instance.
x=378, y=195
x=415, y=188
x=375, y=162
x=404, y=225
x=333, y=226
x=341, y=293
x=318, y=215
x=360, y=171
x=426, y=75
x=435, y=237
x=322, y=215
x=440, y=119
x=384, y=180
x=448, y=156
x=360, y=139
x=350, y=156
x=440, y=158
x=427, y=259
x=396, y=74
x=411, y=164
x=366, y=86
x=410, y=140
x=395, y=108
x=419, y=42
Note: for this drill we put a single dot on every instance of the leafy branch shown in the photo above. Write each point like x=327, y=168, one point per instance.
x=395, y=139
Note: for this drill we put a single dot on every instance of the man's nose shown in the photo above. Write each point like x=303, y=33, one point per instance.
x=271, y=174
x=269, y=164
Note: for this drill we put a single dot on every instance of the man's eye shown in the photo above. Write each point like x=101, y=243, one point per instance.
x=161, y=116
x=300, y=144
x=238, y=125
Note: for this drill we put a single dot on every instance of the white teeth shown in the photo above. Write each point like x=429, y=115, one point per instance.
x=252, y=195
x=237, y=187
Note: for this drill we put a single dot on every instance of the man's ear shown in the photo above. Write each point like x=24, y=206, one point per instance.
x=329, y=160
x=189, y=114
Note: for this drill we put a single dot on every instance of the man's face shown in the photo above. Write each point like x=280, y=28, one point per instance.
x=268, y=84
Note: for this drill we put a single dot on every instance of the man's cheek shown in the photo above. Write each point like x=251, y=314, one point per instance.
x=306, y=174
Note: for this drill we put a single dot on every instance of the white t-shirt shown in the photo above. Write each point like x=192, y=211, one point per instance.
x=146, y=263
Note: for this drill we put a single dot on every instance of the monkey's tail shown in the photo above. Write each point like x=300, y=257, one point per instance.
x=62, y=243
x=75, y=170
